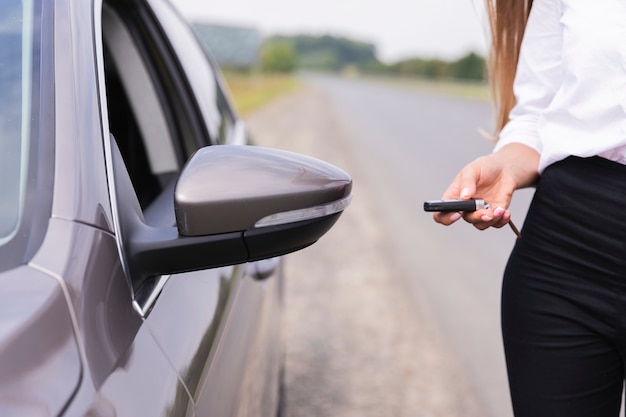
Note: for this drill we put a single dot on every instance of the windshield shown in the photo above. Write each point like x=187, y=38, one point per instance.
x=16, y=20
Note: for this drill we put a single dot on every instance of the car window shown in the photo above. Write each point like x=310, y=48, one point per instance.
x=147, y=111
x=136, y=117
x=16, y=38
x=203, y=76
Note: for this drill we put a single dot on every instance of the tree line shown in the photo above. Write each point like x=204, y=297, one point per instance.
x=330, y=53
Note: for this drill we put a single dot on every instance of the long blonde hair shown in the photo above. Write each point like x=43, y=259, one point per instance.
x=507, y=20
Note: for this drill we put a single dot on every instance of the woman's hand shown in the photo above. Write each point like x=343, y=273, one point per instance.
x=494, y=178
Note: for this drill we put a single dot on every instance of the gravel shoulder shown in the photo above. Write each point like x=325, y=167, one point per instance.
x=356, y=342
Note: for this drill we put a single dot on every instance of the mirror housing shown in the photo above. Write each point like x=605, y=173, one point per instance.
x=233, y=204
x=235, y=188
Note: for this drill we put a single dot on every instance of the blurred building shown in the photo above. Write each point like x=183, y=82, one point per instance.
x=231, y=46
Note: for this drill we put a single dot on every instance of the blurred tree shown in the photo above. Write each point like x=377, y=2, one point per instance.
x=329, y=52
x=320, y=59
x=470, y=67
x=278, y=56
x=429, y=68
x=436, y=69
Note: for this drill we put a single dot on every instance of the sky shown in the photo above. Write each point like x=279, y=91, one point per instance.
x=446, y=29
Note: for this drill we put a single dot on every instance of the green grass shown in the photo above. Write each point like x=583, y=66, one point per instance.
x=465, y=89
x=251, y=91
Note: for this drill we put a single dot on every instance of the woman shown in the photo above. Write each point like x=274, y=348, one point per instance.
x=563, y=131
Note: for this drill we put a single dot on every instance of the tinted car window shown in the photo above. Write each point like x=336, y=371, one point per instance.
x=203, y=77
x=16, y=38
x=139, y=119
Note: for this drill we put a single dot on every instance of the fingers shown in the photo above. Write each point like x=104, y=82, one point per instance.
x=485, y=219
x=464, y=185
x=481, y=220
x=446, y=218
x=468, y=179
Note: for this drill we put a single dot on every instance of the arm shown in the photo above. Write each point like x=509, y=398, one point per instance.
x=538, y=76
x=515, y=160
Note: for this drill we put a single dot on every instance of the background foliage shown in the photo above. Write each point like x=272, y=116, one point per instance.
x=330, y=53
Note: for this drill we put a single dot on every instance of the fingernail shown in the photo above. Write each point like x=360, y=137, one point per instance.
x=486, y=218
x=465, y=192
x=455, y=216
x=499, y=211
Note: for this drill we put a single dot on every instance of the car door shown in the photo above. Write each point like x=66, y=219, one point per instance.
x=218, y=327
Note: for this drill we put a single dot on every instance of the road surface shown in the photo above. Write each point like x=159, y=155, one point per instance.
x=390, y=314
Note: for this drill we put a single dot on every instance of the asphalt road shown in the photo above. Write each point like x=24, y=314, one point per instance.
x=391, y=314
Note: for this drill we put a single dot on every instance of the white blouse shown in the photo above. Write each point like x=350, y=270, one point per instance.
x=571, y=81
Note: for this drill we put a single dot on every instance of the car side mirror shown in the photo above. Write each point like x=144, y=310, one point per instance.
x=262, y=193
x=236, y=204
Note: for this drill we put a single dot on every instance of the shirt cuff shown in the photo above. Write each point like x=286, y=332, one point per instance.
x=521, y=130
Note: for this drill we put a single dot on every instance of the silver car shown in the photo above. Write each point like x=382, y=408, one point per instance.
x=140, y=233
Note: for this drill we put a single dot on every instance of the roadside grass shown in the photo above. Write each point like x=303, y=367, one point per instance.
x=251, y=91
x=465, y=89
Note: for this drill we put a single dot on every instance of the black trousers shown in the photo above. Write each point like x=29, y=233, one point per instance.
x=564, y=294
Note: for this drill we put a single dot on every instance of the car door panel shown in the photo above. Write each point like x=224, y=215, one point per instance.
x=146, y=385
x=126, y=373
x=187, y=319
x=37, y=344
x=219, y=329
x=88, y=261
x=241, y=378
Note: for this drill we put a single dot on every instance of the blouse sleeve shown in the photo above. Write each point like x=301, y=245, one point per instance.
x=538, y=75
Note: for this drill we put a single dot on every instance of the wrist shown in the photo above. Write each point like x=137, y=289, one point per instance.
x=521, y=162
